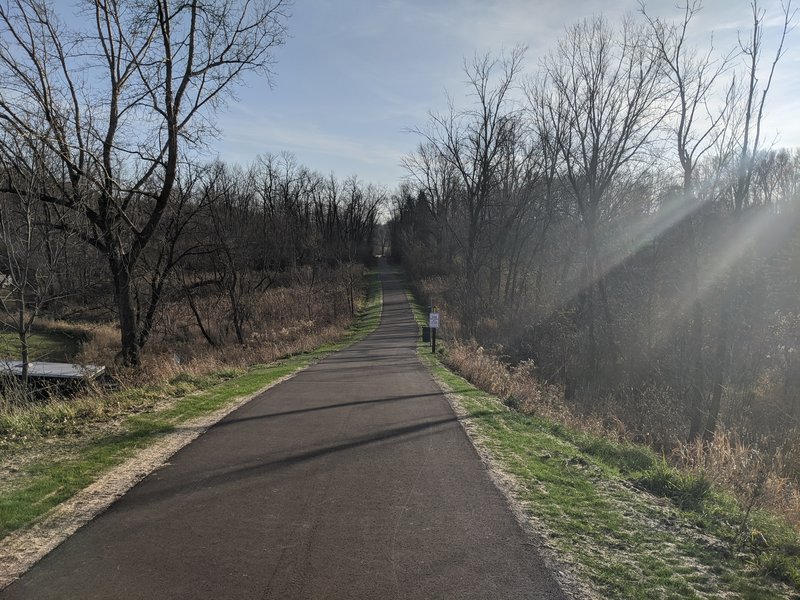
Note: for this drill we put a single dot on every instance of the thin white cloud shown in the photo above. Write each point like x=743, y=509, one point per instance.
x=247, y=133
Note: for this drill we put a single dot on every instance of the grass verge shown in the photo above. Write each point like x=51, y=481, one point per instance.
x=632, y=526
x=40, y=485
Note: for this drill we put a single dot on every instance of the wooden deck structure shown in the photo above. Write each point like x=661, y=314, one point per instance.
x=52, y=370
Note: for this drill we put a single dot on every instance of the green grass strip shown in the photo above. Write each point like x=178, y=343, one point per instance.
x=48, y=483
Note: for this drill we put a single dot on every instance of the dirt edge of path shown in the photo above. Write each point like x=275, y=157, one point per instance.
x=567, y=577
x=22, y=549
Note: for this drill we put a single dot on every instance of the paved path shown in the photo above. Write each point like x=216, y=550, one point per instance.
x=352, y=480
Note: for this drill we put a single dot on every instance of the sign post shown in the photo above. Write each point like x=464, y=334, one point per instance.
x=433, y=323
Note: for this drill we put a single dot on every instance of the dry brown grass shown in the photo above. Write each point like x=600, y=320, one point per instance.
x=304, y=312
x=101, y=346
x=753, y=477
x=521, y=388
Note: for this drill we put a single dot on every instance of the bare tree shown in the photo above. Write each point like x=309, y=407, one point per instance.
x=608, y=98
x=755, y=98
x=180, y=239
x=237, y=267
x=700, y=123
x=756, y=92
x=117, y=105
x=471, y=142
x=31, y=250
x=438, y=179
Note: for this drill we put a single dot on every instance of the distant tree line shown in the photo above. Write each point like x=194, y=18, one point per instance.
x=620, y=218
x=228, y=233
x=102, y=196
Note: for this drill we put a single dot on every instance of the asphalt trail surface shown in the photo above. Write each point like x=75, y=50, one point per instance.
x=354, y=479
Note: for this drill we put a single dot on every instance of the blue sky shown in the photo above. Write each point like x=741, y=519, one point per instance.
x=356, y=75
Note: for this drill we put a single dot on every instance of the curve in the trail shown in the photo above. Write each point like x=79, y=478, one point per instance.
x=352, y=480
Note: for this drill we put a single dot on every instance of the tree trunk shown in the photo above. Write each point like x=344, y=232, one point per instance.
x=720, y=364
x=236, y=314
x=23, y=331
x=128, y=326
x=592, y=353
x=725, y=335
x=697, y=381
x=470, y=292
x=611, y=342
x=697, y=385
x=199, y=320
x=156, y=291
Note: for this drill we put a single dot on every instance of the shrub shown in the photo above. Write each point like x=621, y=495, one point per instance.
x=628, y=458
x=781, y=567
x=687, y=489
